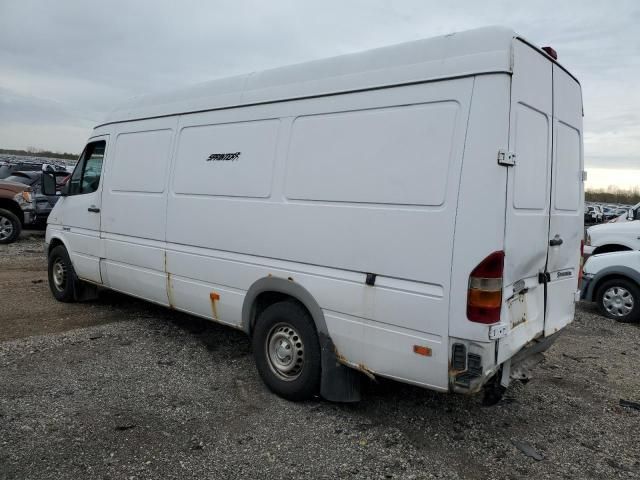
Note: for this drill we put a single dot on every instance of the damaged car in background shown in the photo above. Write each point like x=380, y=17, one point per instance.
x=22, y=203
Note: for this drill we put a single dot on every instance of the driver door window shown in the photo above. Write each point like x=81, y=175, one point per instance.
x=86, y=176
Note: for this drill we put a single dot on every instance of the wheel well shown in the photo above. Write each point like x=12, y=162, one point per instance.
x=606, y=278
x=266, y=299
x=54, y=243
x=612, y=247
x=13, y=207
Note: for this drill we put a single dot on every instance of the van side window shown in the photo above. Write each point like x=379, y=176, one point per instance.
x=86, y=176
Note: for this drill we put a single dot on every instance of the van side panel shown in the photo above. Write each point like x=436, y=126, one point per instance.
x=335, y=210
x=137, y=177
x=406, y=167
x=481, y=201
x=341, y=234
x=134, y=208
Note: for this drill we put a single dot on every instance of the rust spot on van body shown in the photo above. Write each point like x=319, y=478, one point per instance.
x=361, y=367
x=341, y=357
x=169, y=285
x=214, y=297
x=169, y=291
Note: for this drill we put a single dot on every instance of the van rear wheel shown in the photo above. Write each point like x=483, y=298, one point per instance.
x=61, y=275
x=287, y=351
x=619, y=299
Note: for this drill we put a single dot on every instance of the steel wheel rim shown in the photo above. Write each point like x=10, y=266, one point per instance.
x=285, y=351
x=59, y=274
x=6, y=228
x=618, y=301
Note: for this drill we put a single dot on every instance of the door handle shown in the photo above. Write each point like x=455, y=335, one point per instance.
x=93, y=209
x=555, y=242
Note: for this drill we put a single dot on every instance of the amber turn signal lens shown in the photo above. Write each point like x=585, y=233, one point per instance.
x=484, y=298
x=422, y=350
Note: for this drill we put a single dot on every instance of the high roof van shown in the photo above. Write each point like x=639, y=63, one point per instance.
x=411, y=212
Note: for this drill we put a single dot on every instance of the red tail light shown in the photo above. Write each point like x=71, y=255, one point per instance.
x=484, y=296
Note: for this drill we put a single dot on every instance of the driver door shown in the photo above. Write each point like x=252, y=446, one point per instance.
x=81, y=210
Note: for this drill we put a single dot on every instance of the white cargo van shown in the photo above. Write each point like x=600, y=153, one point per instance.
x=411, y=212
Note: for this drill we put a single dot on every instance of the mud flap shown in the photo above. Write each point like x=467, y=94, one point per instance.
x=83, y=291
x=337, y=382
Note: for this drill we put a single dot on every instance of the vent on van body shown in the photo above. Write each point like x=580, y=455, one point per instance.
x=459, y=357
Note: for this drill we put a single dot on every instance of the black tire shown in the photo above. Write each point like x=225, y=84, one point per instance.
x=286, y=328
x=10, y=226
x=60, y=264
x=619, y=299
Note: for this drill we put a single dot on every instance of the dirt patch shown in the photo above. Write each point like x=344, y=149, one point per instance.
x=28, y=308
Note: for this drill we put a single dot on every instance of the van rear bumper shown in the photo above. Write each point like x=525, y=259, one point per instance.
x=529, y=356
x=518, y=367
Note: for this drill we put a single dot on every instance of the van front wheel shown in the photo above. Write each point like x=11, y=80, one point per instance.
x=286, y=351
x=61, y=274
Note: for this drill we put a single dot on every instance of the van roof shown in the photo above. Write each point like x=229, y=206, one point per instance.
x=484, y=50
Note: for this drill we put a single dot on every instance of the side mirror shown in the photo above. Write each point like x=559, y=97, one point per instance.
x=51, y=185
x=48, y=183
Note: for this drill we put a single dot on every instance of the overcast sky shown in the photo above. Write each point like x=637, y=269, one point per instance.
x=64, y=64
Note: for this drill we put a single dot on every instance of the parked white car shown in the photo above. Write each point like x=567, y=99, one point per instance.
x=614, y=236
x=612, y=280
x=336, y=211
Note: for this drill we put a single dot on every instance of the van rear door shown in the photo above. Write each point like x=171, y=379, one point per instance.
x=544, y=201
x=527, y=199
x=567, y=219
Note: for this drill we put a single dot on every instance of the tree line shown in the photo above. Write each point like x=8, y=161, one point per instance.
x=613, y=194
x=34, y=152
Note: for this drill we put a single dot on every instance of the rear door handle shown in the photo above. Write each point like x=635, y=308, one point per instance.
x=555, y=242
x=93, y=209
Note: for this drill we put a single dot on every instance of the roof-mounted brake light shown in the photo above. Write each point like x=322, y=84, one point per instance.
x=551, y=52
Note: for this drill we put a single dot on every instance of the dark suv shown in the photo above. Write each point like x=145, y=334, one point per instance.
x=7, y=168
x=17, y=209
x=43, y=204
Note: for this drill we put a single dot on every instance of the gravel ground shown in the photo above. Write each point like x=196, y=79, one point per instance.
x=119, y=388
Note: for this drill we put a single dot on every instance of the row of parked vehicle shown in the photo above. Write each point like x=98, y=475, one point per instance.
x=599, y=213
x=611, y=273
x=22, y=203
